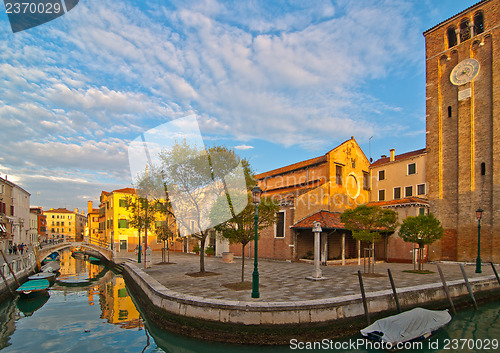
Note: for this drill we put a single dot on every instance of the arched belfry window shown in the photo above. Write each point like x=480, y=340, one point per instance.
x=478, y=23
x=464, y=31
x=452, y=37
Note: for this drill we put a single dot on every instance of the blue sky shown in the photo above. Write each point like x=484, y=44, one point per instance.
x=279, y=81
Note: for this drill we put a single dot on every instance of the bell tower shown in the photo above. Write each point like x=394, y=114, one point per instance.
x=463, y=131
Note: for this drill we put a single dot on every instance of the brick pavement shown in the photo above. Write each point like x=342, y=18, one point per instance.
x=285, y=281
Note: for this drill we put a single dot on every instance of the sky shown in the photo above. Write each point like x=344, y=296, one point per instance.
x=278, y=81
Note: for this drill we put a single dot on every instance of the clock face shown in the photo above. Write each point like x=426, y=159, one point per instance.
x=464, y=72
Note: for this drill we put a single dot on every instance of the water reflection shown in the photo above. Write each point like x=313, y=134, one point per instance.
x=99, y=315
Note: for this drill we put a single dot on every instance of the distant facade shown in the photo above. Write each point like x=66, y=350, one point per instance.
x=93, y=235
x=14, y=214
x=398, y=182
x=41, y=223
x=463, y=131
x=114, y=223
x=65, y=224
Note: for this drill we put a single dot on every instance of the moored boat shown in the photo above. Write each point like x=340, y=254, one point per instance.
x=33, y=287
x=49, y=276
x=52, y=266
x=415, y=324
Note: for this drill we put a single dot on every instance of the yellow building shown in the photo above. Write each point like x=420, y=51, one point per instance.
x=65, y=224
x=114, y=222
x=317, y=189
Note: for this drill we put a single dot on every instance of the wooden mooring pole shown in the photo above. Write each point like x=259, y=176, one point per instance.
x=495, y=271
x=365, y=304
x=10, y=268
x=445, y=286
x=394, y=290
x=468, y=287
x=7, y=284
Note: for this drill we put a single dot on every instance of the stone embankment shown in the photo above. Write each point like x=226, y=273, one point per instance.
x=266, y=321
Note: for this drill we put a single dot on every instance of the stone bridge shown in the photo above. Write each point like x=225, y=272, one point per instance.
x=89, y=248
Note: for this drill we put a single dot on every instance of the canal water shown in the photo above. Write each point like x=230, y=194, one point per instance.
x=89, y=309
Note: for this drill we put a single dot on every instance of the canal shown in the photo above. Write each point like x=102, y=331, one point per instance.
x=89, y=309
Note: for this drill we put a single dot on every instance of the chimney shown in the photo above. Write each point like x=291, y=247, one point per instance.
x=90, y=206
x=393, y=155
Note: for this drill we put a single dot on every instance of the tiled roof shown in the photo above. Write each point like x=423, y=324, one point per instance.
x=398, y=157
x=327, y=219
x=59, y=210
x=403, y=201
x=125, y=190
x=291, y=167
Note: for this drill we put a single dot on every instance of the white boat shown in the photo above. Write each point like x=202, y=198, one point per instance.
x=49, y=276
x=410, y=325
x=52, y=266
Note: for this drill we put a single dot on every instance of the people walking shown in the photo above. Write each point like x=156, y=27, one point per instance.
x=14, y=249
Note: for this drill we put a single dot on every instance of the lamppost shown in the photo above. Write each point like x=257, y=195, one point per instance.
x=479, y=214
x=256, y=192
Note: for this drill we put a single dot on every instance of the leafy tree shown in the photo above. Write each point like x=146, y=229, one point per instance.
x=422, y=229
x=165, y=232
x=188, y=180
x=369, y=223
x=241, y=227
x=137, y=206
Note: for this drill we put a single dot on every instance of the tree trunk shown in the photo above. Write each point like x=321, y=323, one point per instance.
x=243, y=263
x=202, y=254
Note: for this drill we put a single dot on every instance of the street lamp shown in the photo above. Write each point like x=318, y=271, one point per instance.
x=479, y=214
x=256, y=192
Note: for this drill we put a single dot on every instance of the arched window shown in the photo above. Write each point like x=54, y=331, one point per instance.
x=464, y=30
x=478, y=23
x=452, y=37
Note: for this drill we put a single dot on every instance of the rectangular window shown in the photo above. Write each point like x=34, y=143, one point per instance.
x=280, y=225
x=421, y=189
x=57, y=223
x=69, y=230
x=381, y=175
x=412, y=168
x=338, y=174
x=366, y=181
x=62, y=223
x=191, y=225
x=397, y=193
x=122, y=203
x=123, y=245
x=12, y=210
x=122, y=223
x=421, y=211
x=408, y=191
x=381, y=195
x=52, y=230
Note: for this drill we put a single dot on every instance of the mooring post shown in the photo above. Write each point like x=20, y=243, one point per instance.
x=10, y=268
x=365, y=304
x=7, y=283
x=445, y=286
x=468, y=287
x=495, y=271
x=394, y=290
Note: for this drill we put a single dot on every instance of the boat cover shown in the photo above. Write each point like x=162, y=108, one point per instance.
x=407, y=325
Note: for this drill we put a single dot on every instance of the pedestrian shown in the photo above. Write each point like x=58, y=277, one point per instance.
x=14, y=249
x=10, y=249
x=21, y=248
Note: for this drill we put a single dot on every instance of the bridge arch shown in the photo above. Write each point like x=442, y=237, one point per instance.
x=91, y=249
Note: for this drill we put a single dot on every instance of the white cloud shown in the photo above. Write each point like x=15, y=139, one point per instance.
x=243, y=147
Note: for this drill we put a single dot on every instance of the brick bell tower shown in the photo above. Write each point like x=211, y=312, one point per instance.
x=463, y=131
